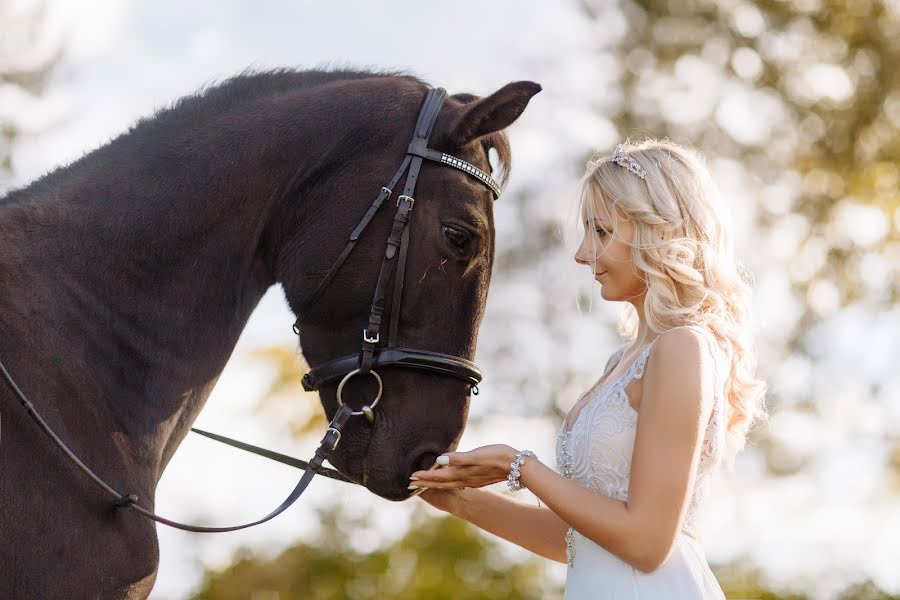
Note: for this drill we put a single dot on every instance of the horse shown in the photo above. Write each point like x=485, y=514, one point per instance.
x=127, y=276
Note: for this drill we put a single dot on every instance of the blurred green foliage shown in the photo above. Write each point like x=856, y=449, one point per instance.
x=439, y=559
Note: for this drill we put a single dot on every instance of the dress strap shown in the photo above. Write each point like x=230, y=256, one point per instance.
x=613, y=361
x=640, y=362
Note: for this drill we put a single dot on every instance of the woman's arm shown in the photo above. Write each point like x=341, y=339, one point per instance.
x=675, y=405
x=535, y=528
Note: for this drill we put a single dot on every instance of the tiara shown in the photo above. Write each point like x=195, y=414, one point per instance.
x=623, y=160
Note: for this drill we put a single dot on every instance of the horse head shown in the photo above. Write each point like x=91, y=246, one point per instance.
x=348, y=285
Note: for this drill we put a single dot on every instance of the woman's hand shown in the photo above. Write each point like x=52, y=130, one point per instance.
x=476, y=468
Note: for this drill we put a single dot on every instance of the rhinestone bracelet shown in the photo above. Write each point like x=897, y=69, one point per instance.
x=512, y=481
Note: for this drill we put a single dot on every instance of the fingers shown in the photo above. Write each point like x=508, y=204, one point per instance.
x=452, y=478
x=439, y=485
x=452, y=459
x=438, y=475
x=443, y=465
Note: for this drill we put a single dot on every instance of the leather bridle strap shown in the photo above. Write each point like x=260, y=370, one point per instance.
x=398, y=239
x=397, y=296
x=354, y=237
x=272, y=455
x=434, y=362
x=423, y=132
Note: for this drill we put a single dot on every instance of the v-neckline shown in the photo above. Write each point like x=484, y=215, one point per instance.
x=567, y=429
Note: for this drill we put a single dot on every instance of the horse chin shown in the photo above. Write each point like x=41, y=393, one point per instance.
x=383, y=478
x=390, y=489
x=395, y=495
x=387, y=485
x=390, y=480
x=384, y=482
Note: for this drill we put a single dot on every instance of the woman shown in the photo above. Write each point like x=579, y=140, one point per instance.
x=635, y=453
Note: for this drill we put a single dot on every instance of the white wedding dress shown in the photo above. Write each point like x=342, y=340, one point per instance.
x=597, y=454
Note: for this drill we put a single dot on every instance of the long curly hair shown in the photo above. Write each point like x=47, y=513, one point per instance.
x=683, y=250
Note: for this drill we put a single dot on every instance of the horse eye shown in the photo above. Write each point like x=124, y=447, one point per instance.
x=458, y=237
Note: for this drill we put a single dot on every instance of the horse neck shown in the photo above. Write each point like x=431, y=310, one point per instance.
x=135, y=273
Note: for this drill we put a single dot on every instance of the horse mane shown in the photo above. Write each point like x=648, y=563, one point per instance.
x=216, y=97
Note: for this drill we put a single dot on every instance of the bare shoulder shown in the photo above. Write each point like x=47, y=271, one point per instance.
x=679, y=344
x=679, y=371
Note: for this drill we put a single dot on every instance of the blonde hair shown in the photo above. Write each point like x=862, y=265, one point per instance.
x=683, y=250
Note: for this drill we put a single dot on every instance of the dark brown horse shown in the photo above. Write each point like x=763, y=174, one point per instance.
x=127, y=277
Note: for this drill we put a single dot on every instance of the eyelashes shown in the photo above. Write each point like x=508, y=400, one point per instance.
x=597, y=228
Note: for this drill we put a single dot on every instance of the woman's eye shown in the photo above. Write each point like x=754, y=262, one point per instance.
x=458, y=237
x=600, y=231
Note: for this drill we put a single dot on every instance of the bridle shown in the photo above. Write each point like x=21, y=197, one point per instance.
x=371, y=355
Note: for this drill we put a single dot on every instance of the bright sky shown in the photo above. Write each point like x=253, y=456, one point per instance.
x=126, y=59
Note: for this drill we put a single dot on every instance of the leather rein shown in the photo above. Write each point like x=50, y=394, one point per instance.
x=371, y=355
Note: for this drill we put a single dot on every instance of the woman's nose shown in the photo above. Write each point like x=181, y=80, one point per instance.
x=586, y=253
x=582, y=257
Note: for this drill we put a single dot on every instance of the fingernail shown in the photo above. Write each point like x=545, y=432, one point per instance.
x=413, y=487
x=412, y=478
x=443, y=459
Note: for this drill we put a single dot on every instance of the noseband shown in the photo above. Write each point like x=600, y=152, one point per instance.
x=370, y=356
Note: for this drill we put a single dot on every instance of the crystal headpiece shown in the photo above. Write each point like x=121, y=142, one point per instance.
x=623, y=160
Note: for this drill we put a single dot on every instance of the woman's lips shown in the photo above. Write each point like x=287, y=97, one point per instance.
x=599, y=274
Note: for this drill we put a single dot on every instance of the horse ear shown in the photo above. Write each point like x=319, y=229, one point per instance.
x=491, y=113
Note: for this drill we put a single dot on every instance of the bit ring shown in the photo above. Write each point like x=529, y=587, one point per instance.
x=371, y=405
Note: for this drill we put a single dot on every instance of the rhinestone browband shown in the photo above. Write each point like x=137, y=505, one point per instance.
x=472, y=170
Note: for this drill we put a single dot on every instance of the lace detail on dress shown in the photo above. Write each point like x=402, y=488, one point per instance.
x=596, y=451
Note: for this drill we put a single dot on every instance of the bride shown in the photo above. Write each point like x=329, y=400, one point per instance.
x=636, y=451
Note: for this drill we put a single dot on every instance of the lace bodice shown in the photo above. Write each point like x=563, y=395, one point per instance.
x=597, y=451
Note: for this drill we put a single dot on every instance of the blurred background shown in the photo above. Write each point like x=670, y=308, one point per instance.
x=795, y=104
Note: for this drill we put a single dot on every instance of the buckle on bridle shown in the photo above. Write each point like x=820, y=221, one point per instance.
x=410, y=198
x=370, y=340
x=337, y=436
